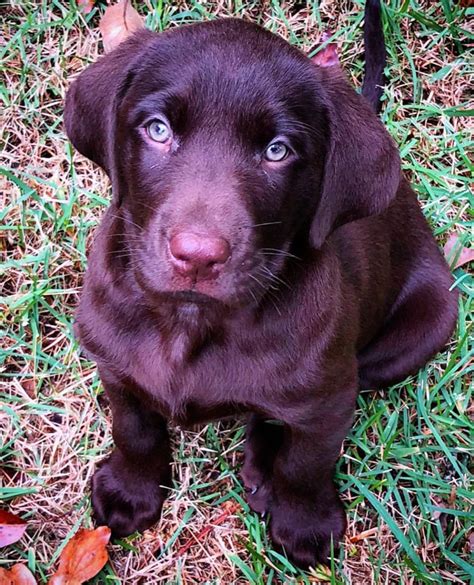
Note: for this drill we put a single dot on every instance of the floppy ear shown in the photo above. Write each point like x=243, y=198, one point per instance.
x=92, y=100
x=362, y=169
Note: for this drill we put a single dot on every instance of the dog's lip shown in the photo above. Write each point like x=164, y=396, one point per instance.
x=188, y=296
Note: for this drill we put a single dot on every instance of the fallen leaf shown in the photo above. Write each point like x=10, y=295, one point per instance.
x=455, y=253
x=29, y=386
x=364, y=534
x=85, y=6
x=119, y=22
x=6, y=578
x=452, y=497
x=23, y=575
x=83, y=557
x=12, y=528
x=229, y=508
x=326, y=57
x=18, y=575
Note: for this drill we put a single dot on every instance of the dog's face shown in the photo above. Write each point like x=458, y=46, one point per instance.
x=224, y=148
x=219, y=146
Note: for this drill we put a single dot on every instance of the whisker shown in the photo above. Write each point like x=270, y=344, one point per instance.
x=147, y=206
x=276, y=278
x=260, y=224
x=127, y=220
x=132, y=250
x=269, y=284
x=136, y=236
x=257, y=281
x=272, y=296
x=281, y=252
x=253, y=296
x=276, y=306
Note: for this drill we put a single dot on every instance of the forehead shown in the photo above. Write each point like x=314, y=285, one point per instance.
x=226, y=66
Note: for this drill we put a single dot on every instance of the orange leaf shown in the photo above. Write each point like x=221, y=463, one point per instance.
x=12, y=528
x=22, y=575
x=18, y=575
x=85, y=6
x=6, y=578
x=455, y=253
x=83, y=557
x=119, y=22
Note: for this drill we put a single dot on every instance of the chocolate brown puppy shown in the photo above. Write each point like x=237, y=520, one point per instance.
x=262, y=255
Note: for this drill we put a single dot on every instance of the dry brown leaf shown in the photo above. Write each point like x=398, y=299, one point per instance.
x=364, y=534
x=455, y=253
x=83, y=557
x=119, y=22
x=229, y=508
x=12, y=528
x=29, y=386
x=17, y=575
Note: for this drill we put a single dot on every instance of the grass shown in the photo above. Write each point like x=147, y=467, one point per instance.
x=404, y=472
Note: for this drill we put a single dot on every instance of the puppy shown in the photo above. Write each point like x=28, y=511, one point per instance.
x=262, y=255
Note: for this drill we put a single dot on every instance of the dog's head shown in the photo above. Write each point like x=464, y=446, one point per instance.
x=226, y=148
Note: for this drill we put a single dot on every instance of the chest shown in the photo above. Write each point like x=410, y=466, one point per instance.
x=249, y=369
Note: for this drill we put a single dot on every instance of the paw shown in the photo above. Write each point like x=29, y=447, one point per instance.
x=258, y=498
x=305, y=532
x=257, y=487
x=126, y=499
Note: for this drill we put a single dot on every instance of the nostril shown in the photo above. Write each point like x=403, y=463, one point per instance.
x=191, y=252
x=180, y=255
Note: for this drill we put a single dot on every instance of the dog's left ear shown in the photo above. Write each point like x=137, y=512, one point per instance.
x=362, y=169
x=92, y=100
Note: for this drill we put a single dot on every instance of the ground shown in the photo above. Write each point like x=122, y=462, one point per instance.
x=403, y=473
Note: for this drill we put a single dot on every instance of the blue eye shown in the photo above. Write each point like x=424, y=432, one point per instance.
x=276, y=152
x=158, y=131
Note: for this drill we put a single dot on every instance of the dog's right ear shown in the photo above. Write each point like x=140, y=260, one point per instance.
x=92, y=100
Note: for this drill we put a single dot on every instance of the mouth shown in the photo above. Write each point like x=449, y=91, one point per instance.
x=234, y=292
x=189, y=296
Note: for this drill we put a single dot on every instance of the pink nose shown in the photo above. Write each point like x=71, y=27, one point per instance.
x=198, y=256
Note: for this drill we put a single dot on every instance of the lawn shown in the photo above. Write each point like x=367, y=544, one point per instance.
x=404, y=472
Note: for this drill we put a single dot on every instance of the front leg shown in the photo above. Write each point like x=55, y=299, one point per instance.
x=262, y=441
x=128, y=487
x=306, y=512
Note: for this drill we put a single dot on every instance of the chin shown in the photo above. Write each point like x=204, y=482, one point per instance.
x=189, y=296
x=185, y=298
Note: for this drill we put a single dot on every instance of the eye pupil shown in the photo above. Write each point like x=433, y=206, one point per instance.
x=277, y=151
x=158, y=131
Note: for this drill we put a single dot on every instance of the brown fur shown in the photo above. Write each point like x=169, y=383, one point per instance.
x=334, y=281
